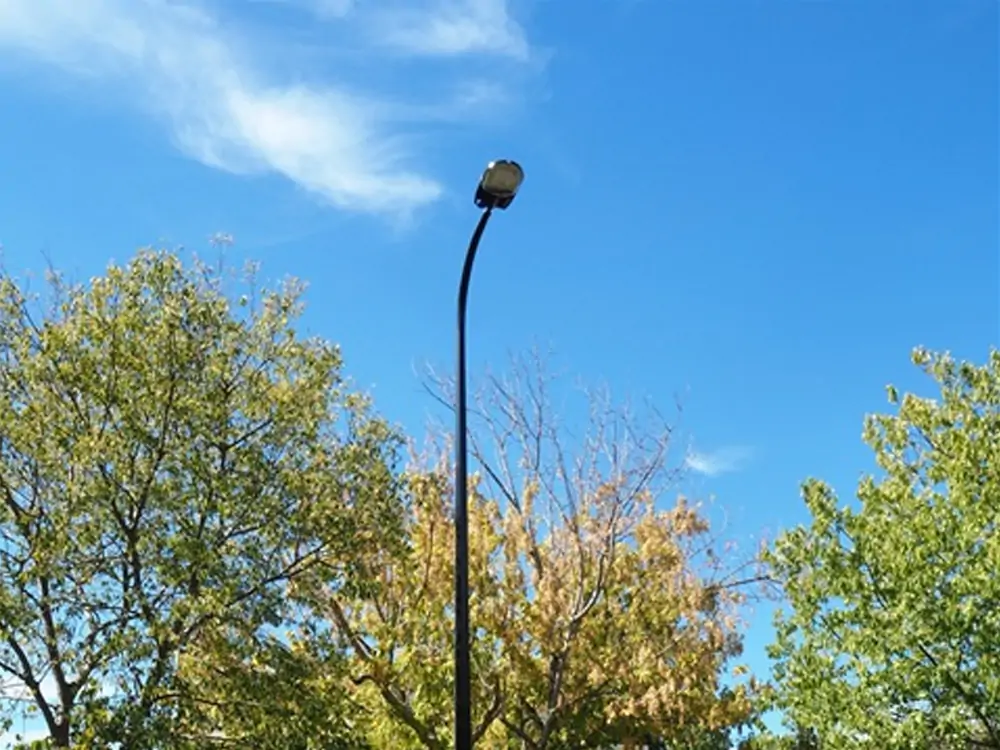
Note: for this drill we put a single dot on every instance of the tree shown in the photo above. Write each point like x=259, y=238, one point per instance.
x=892, y=635
x=798, y=739
x=600, y=616
x=170, y=462
x=266, y=695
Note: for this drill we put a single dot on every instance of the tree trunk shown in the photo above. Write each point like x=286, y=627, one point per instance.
x=60, y=733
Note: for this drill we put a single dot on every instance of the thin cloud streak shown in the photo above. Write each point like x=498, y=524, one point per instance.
x=324, y=10
x=448, y=28
x=722, y=461
x=219, y=107
x=431, y=28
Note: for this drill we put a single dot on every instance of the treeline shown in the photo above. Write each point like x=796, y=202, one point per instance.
x=208, y=538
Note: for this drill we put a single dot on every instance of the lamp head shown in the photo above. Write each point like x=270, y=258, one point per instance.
x=499, y=184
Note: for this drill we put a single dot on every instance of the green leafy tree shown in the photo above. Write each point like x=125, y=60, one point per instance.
x=170, y=462
x=798, y=739
x=268, y=695
x=892, y=635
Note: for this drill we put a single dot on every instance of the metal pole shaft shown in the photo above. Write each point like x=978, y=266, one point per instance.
x=463, y=665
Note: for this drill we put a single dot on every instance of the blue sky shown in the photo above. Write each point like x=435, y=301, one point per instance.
x=761, y=206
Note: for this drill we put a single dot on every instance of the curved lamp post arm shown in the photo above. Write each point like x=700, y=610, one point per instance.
x=470, y=259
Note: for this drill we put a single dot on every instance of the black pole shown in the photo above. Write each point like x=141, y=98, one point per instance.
x=463, y=666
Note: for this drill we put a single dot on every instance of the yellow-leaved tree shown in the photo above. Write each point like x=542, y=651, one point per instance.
x=601, y=614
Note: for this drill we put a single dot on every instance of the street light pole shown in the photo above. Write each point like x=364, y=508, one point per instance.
x=496, y=189
x=463, y=667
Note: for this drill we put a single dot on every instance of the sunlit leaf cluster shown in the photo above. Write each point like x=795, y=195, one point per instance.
x=892, y=634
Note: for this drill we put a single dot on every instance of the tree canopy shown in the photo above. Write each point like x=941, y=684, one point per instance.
x=600, y=618
x=170, y=461
x=208, y=538
x=891, y=637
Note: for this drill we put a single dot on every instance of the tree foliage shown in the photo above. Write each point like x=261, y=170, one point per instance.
x=599, y=617
x=170, y=461
x=892, y=635
x=798, y=739
x=207, y=539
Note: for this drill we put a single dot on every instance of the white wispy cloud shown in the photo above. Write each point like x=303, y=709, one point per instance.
x=431, y=28
x=323, y=9
x=446, y=28
x=721, y=461
x=200, y=76
x=331, y=8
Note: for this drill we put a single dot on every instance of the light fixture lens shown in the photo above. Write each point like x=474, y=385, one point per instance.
x=502, y=179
